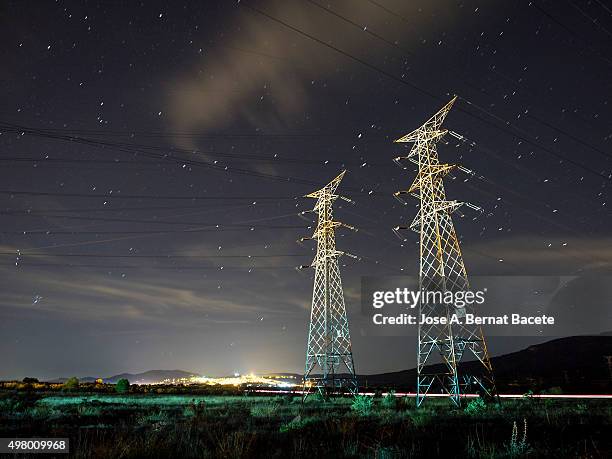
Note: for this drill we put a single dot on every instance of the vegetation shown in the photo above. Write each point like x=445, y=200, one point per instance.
x=122, y=386
x=389, y=400
x=362, y=404
x=475, y=407
x=71, y=383
x=143, y=423
x=518, y=447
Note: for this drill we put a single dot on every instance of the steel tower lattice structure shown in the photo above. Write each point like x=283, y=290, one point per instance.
x=441, y=270
x=329, y=358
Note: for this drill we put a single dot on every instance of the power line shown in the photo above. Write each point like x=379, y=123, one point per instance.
x=604, y=6
x=525, y=172
x=164, y=222
x=570, y=31
x=343, y=18
x=165, y=157
x=123, y=267
x=571, y=136
x=360, y=27
x=129, y=148
x=144, y=196
x=525, y=139
x=274, y=159
x=492, y=70
x=167, y=133
x=489, y=181
x=24, y=254
x=123, y=209
x=426, y=92
x=50, y=232
x=338, y=50
x=593, y=20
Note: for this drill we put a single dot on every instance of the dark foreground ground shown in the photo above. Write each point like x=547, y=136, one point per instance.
x=188, y=426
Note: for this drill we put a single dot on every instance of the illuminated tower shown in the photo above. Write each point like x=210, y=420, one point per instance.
x=441, y=270
x=329, y=359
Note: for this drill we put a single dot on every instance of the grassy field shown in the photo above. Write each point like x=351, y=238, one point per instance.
x=185, y=426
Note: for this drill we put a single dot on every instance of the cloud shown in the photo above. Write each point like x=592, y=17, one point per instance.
x=260, y=75
x=91, y=296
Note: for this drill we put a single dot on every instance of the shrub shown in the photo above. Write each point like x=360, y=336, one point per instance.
x=8, y=404
x=122, y=386
x=288, y=399
x=405, y=403
x=297, y=423
x=475, y=407
x=71, y=383
x=155, y=419
x=421, y=416
x=318, y=397
x=389, y=400
x=89, y=410
x=362, y=404
x=265, y=409
x=196, y=409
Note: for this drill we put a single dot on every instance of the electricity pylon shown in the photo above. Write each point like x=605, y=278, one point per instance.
x=441, y=270
x=329, y=359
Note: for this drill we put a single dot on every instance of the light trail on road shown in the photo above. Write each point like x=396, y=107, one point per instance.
x=413, y=394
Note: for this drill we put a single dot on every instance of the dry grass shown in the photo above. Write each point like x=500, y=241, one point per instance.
x=185, y=426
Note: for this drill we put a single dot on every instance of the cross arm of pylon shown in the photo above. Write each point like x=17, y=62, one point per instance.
x=325, y=200
x=398, y=161
x=324, y=228
x=339, y=253
x=450, y=206
x=431, y=129
x=320, y=258
x=439, y=206
x=352, y=228
x=435, y=171
x=472, y=173
x=396, y=230
x=410, y=157
x=421, y=135
x=462, y=138
x=398, y=195
x=328, y=190
x=329, y=254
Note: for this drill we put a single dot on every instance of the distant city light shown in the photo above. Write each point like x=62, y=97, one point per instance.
x=237, y=380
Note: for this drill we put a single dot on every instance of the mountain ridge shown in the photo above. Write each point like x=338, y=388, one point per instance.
x=576, y=364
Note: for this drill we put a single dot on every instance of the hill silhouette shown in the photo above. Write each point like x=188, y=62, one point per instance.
x=576, y=364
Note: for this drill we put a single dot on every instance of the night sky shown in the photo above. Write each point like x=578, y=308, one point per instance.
x=153, y=157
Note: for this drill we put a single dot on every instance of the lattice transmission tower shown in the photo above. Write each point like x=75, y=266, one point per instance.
x=441, y=270
x=329, y=359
